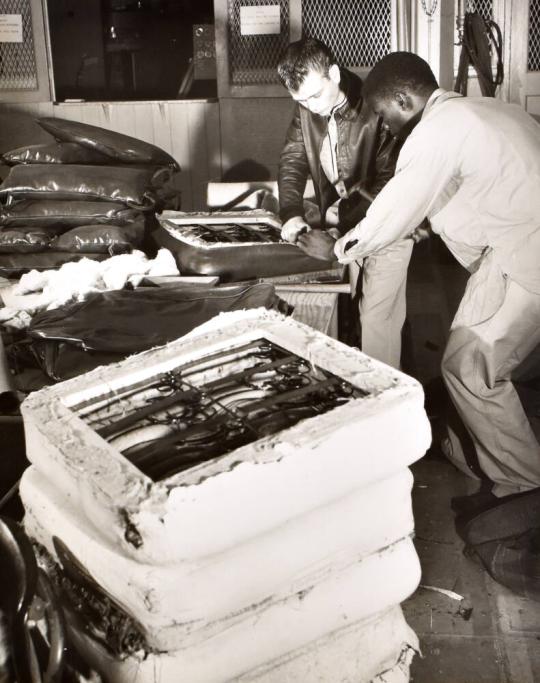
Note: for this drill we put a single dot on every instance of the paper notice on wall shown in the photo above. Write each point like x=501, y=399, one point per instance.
x=11, y=28
x=259, y=20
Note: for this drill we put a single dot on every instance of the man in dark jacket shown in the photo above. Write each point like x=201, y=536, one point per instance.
x=343, y=147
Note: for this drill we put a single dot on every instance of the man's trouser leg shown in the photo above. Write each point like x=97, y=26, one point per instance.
x=383, y=303
x=495, y=329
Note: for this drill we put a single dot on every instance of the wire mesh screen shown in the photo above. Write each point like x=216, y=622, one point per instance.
x=483, y=7
x=17, y=59
x=357, y=32
x=253, y=58
x=533, y=62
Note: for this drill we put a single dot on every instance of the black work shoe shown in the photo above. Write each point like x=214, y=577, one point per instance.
x=512, y=516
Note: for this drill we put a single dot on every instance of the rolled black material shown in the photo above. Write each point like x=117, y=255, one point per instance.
x=111, y=321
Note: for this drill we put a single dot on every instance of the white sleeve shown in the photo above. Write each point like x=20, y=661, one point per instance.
x=423, y=171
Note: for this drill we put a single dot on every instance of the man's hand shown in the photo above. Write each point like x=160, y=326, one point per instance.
x=318, y=244
x=293, y=228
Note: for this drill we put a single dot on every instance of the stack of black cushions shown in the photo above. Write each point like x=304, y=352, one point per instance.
x=88, y=194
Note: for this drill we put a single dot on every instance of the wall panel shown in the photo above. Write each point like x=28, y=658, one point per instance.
x=187, y=129
x=252, y=135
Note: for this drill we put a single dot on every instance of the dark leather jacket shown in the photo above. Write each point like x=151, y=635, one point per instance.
x=367, y=157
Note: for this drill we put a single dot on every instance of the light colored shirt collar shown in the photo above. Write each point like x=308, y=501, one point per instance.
x=340, y=104
x=437, y=97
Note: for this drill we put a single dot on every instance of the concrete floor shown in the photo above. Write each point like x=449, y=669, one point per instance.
x=492, y=635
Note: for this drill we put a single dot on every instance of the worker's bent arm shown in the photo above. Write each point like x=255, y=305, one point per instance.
x=293, y=171
x=401, y=205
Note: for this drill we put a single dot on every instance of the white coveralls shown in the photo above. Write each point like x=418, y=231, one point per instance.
x=472, y=166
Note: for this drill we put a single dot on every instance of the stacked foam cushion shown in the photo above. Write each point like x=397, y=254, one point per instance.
x=282, y=558
x=89, y=193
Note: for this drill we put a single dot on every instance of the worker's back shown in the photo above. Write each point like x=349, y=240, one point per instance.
x=492, y=199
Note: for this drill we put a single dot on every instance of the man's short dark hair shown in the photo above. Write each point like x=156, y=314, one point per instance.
x=399, y=71
x=300, y=58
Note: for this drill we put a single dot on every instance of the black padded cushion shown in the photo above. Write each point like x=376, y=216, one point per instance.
x=123, y=148
x=65, y=212
x=128, y=185
x=231, y=263
x=55, y=153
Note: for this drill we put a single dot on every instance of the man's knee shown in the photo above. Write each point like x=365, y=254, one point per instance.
x=464, y=372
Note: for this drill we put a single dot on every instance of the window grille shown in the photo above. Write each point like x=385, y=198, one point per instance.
x=17, y=60
x=253, y=59
x=357, y=32
x=483, y=7
x=533, y=60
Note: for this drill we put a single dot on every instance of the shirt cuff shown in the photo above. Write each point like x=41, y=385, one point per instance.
x=291, y=212
x=342, y=252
